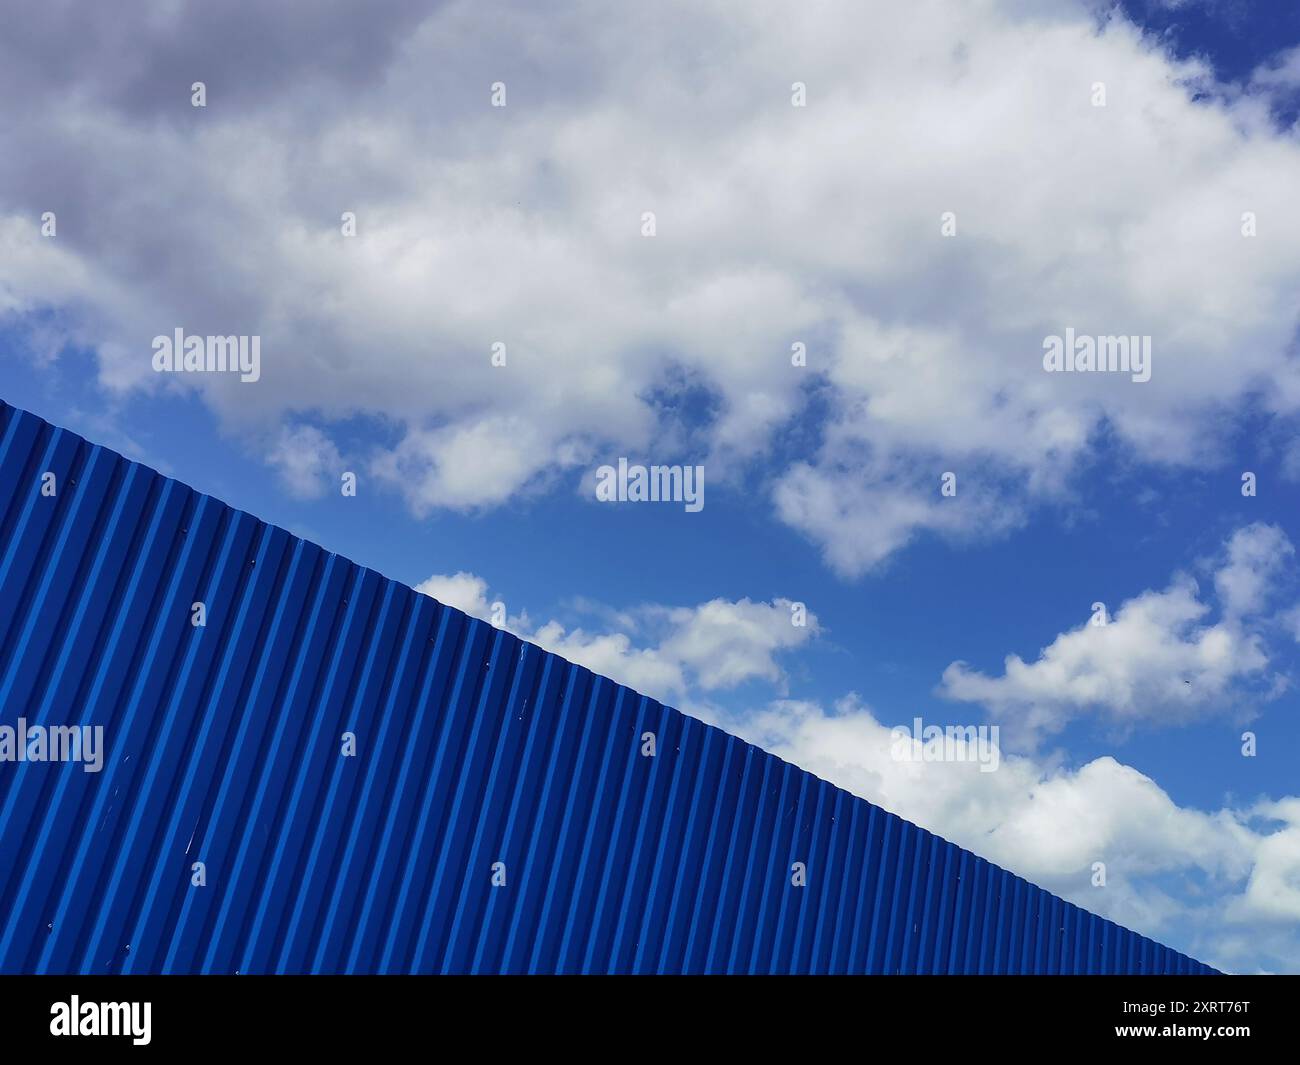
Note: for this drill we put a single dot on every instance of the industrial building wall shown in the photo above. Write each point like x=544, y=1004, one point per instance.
x=335, y=773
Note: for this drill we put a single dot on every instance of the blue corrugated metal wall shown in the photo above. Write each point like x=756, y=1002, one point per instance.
x=473, y=748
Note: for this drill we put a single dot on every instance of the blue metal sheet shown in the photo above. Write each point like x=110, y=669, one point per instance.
x=223, y=746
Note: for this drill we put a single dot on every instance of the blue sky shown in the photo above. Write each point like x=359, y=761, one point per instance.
x=775, y=224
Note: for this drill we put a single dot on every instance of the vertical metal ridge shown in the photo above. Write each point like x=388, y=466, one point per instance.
x=726, y=798
x=52, y=795
x=503, y=810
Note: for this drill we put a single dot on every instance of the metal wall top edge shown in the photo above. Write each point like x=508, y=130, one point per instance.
x=497, y=811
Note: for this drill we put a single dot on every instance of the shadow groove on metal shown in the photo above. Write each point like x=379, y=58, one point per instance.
x=499, y=815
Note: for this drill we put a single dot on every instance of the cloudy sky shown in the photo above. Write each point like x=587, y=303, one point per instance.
x=913, y=197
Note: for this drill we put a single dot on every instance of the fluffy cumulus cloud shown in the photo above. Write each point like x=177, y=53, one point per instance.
x=306, y=459
x=1256, y=555
x=522, y=225
x=726, y=643
x=679, y=655
x=1161, y=659
x=1273, y=892
x=464, y=591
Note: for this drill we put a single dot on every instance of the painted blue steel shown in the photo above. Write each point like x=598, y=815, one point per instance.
x=473, y=747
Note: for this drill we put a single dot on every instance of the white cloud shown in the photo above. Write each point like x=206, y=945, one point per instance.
x=307, y=461
x=1159, y=660
x=727, y=643
x=1255, y=556
x=775, y=224
x=646, y=670
x=470, y=465
x=1273, y=892
x=687, y=653
x=861, y=516
x=462, y=590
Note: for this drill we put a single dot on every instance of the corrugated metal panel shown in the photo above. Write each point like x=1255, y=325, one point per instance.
x=473, y=748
